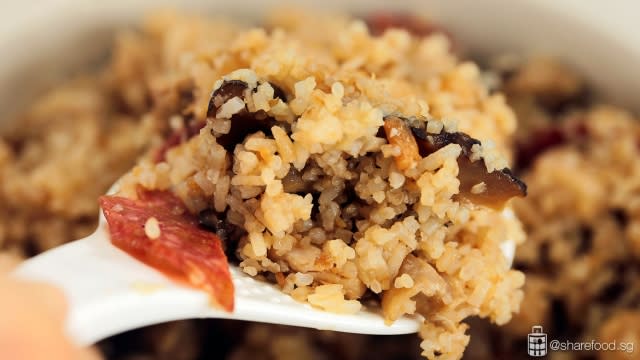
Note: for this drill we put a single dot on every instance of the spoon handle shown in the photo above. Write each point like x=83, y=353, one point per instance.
x=110, y=292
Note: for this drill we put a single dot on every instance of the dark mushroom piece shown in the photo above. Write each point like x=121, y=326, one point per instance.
x=278, y=93
x=228, y=233
x=294, y=183
x=499, y=185
x=243, y=123
x=227, y=91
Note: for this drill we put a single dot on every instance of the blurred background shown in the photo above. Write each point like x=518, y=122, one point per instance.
x=566, y=68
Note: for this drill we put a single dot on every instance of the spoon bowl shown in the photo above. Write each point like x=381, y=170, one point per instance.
x=110, y=292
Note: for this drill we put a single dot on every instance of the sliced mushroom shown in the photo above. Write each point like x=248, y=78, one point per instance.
x=429, y=291
x=227, y=91
x=278, y=93
x=243, y=123
x=477, y=185
x=217, y=223
x=499, y=185
x=294, y=183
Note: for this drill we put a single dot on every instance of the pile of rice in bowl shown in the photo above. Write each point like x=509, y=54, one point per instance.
x=346, y=167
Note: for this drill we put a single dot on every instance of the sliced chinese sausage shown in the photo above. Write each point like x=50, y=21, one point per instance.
x=191, y=128
x=158, y=230
x=571, y=129
x=379, y=22
x=477, y=184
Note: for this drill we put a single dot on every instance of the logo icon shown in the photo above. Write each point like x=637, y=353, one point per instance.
x=537, y=342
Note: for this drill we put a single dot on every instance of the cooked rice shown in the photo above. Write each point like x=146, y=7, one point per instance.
x=582, y=192
x=365, y=220
x=152, y=228
x=580, y=160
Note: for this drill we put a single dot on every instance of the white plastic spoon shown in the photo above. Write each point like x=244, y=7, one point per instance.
x=110, y=292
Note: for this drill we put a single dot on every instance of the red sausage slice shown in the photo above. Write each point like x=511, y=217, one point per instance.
x=157, y=230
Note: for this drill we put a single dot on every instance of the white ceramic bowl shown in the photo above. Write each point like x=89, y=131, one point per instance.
x=45, y=41
x=41, y=42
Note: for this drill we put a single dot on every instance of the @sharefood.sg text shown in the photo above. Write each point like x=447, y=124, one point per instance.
x=538, y=345
x=591, y=346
